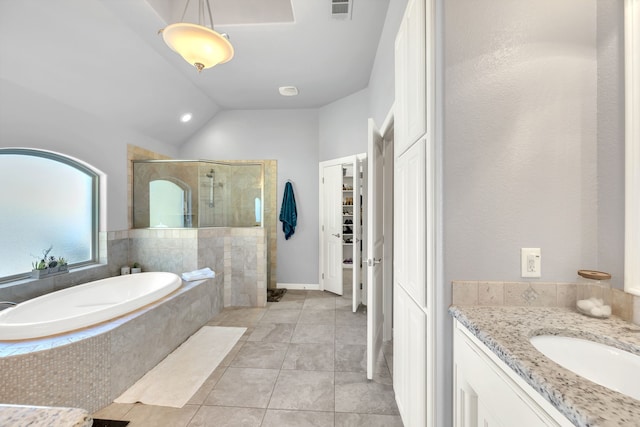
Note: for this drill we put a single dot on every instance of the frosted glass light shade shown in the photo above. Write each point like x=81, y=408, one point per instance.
x=199, y=46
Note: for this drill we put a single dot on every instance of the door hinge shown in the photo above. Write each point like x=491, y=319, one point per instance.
x=323, y=179
x=360, y=286
x=323, y=228
x=322, y=275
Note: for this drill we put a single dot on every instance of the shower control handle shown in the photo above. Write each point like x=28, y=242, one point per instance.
x=336, y=235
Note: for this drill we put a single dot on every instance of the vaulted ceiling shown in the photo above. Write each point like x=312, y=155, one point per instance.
x=105, y=57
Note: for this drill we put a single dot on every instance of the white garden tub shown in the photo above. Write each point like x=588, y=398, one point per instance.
x=85, y=305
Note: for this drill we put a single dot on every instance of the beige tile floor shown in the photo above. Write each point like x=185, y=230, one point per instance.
x=301, y=362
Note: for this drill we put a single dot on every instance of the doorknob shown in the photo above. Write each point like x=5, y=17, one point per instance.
x=372, y=262
x=336, y=235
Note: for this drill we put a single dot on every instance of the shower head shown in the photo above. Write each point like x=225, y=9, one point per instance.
x=210, y=174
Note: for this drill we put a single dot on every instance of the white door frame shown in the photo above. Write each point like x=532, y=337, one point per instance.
x=355, y=160
x=387, y=130
x=375, y=247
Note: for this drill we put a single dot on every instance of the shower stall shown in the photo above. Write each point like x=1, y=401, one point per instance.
x=197, y=194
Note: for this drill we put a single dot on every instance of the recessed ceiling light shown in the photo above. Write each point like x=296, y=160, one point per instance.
x=288, y=90
x=186, y=117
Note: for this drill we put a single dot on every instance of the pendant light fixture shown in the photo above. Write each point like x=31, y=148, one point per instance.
x=198, y=44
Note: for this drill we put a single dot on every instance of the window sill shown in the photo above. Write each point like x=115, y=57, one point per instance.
x=27, y=288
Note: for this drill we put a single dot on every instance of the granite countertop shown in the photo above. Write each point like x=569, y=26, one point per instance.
x=506, y=332
x=43, y=416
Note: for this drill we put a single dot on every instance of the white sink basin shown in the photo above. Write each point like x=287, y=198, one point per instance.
x=605, y=365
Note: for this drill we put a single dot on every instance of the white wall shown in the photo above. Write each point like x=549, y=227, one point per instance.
x=343, y=126
x=611, y=139
x=291, y=138
x=32, y=120
x=519, y=146
x=343, y=123
x=381, y=81
x=520, y=138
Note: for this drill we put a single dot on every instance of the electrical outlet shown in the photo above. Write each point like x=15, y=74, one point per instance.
x=530, y=262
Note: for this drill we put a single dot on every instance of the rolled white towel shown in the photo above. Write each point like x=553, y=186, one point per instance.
x=203, y=273
x=594, y=307
x=602, y=311
x=585, y=305
x=597, y=301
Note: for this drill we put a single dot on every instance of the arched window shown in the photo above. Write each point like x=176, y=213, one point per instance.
x=46, y=200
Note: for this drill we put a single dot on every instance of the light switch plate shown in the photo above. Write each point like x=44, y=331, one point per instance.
x=530, y=262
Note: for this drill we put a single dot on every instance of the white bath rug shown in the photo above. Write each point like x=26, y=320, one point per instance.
x=176, y=379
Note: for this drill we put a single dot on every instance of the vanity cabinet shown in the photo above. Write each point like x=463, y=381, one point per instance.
x=488, y=393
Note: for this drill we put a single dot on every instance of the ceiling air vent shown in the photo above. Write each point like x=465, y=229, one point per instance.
x=341, y=9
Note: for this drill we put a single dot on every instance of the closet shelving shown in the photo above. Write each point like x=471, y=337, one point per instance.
x=350, y=200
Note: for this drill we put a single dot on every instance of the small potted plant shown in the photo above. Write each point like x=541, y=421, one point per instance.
x=39, y=269
x=48, y=264
x=62, y=264
x=41, y=265
x=52, y=264
x=136, y=268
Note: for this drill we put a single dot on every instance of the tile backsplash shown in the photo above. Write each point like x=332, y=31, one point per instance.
x=542, y=294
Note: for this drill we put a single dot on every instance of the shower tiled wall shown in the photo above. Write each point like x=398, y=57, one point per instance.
x=183, y=174
x=137, y=153
x=211, y=250
x=173, y=250
x=227, y=194
x=245, y=268
x=270, y=220
x=236, y=254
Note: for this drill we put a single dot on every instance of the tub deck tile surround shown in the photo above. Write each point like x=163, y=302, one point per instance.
x=90, y=367
x=39, y=416
x=506, y=331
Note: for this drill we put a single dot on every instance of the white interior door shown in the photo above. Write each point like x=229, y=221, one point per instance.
x=332, y=228
x=375, y=247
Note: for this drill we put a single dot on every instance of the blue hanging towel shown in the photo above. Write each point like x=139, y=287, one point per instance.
x=288, y=212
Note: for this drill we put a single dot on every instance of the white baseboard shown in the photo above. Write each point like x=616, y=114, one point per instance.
x=299, y=286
